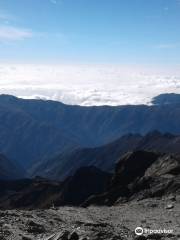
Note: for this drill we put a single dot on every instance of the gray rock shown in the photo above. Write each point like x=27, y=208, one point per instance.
x=59, y=236
x=140, y=238
x=74, y=236
x=26, y=238
x=169, y=206
x=172, y=198
x=33, y=227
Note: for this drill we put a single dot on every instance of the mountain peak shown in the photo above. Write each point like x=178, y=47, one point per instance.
x=166, y=98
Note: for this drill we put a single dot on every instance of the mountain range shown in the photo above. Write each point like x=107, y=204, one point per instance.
x=55, y=154
x=51, y=139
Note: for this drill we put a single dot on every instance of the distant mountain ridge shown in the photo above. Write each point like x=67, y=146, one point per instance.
x=36, y=130
x=166, y=98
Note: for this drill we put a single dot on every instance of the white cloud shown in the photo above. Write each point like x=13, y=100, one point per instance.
x=167, y=46
x=10, y=33
x=88, y=84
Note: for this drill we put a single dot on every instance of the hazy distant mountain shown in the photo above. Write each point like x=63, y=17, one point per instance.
x=26, y=134
x=167, y=98
x=33, y=130
x=105, y=157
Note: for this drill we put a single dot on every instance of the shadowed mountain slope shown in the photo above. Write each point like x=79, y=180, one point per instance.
x=42, y=193
x=105, y=157
x=139, y=175
x=10, y=170
x=33, y=130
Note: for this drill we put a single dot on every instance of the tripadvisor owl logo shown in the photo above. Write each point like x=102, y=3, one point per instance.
x=139, y=231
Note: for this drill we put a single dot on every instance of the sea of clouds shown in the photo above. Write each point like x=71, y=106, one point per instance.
x=88, y=84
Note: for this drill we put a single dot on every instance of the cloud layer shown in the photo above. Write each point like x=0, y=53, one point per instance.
x=88, y=84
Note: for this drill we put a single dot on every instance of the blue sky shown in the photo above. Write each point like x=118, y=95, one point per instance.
x=90, y=31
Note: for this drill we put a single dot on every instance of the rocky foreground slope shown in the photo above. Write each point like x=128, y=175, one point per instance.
x=95, y=223
x=144, y=191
